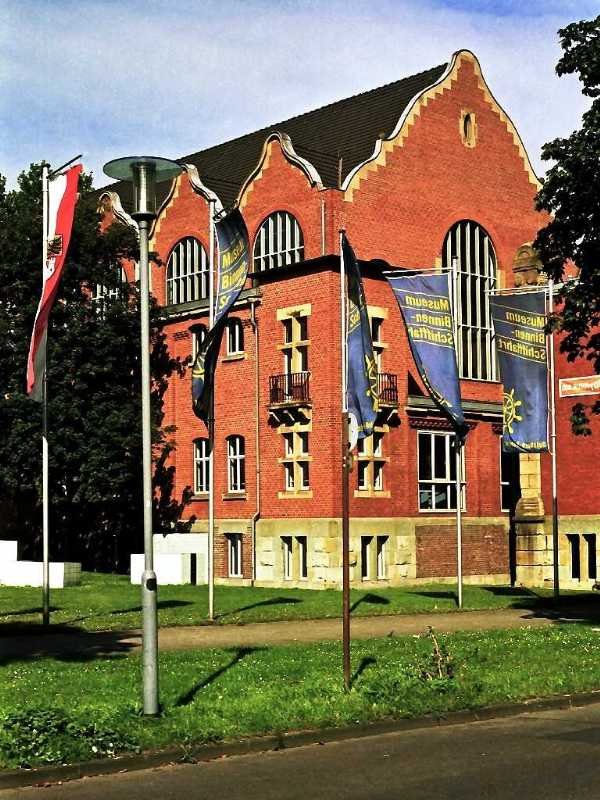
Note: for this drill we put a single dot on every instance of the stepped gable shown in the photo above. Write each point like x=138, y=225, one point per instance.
x=346, y=130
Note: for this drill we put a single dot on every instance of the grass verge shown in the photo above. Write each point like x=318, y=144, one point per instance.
x=110, y=602
x=215, y=695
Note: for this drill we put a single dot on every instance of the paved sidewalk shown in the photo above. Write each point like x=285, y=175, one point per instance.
x=87, y=644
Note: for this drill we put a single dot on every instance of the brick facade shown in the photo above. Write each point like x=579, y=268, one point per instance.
x=398, y=207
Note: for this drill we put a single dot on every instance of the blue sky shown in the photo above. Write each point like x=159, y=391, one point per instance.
x=111, y=78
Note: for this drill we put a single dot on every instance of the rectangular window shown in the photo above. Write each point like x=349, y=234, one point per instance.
x=510, y=482
x=295, y=343
x=366, y=543
x=236, y=456
x=378, y=345
x=302, y=556
x=370, y=463
x=296, y=460
x=590, y=540
x=286, y=552
x=201, y=466
x=437, y=472
x=382, y=542
x=234, y=554
x=575, y=556
x=235, y=337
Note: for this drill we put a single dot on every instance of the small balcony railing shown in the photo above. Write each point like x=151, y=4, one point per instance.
x=387, y=386
x=290, y=389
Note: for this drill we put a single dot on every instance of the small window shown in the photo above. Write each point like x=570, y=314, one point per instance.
x=382, y=546
x=573, y=539
x=296, y=461
x=236, y=457
x=468, y=129
x=101, y=293
x=437, y=472
x=235, y=337
x=187, y=272
x=366, y=543
x=510, y=484
x=302, y=556
x=279, y=242
x=201, y=466
x=198, y=336
x=234, y=554
x=370, y=463
x=590, y=540
x=287, y=554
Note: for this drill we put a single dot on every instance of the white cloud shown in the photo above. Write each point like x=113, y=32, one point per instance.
x=113, y=79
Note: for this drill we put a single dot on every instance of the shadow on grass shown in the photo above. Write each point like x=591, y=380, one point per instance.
x=371, y=599
x=239, y=654
x=37, y=610
x=366, y=662
x=161, y=605
x=437, y=595
x=64, y=643
x=569, y=609
x=273, y=601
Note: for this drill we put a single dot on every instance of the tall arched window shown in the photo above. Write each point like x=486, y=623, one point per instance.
x=279, y=242
x=198, y=336
x=469, y=249
x=187, y=272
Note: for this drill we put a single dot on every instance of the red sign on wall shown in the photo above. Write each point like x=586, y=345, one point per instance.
x=575, y=387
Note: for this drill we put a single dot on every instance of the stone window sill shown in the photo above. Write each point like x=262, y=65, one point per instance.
x=234, y=496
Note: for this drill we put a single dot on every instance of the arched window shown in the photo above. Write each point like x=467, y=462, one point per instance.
x=198, y=336
x=236, y=458
x=101, y=291
x=201, y=466
x=468, y=249
x=235, y=337
x=187, y=272
x=279, y=242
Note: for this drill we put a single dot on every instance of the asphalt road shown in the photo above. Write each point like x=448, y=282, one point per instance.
x=545, y=755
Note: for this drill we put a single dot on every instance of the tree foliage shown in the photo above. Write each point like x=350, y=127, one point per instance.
x=94, y=417
x=571, y=194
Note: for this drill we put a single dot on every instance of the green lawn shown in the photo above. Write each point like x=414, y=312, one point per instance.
x=53, y=711
x=110, y=602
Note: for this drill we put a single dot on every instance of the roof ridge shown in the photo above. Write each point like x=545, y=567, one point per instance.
x=274, y=125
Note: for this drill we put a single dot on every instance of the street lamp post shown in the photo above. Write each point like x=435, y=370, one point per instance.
x=144, y=172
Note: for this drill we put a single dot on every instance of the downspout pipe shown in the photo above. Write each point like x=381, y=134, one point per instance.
x=256, y=515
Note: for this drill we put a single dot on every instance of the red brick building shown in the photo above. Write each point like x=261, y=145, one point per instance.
x=419, y=172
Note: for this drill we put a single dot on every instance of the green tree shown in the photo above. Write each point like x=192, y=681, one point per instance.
x=94, y=418
x=571, y=194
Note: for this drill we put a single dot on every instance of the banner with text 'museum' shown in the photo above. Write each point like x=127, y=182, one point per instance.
x=424, y=301
x=519, y=321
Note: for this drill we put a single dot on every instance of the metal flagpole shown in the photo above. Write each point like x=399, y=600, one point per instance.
x=45, y=481
x=345, y=479
x=211, y=419
x=555, y=541
x=457, y=447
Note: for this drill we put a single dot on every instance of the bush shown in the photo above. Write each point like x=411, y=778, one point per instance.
x=51, y=736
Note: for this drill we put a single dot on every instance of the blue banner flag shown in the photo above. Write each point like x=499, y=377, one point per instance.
x=424, y=301
x=361, y=385
x=519, y=322
x=232, y=238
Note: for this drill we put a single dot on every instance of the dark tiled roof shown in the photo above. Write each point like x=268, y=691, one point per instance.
x=347, y=129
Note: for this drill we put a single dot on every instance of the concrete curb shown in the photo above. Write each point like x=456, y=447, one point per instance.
x=19, y=778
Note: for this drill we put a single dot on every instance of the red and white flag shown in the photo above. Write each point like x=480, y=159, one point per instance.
x=62, y=196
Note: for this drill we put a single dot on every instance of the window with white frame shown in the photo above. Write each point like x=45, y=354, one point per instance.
x=296, y=460
x=198, y=336
x=437, y=471
x=235, y=337
x=373, y=557
x=366, y=545
x=370, y=462
x=469, y=249
x=294, y=555
x=295, y=342
x=201, y=466
x=234, y=555
x=187, y=272
x=279, y=242
x=302, y=543
x=236, y=459
x=510, y=481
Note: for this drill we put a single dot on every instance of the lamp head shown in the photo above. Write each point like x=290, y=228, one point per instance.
x=144, y=172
